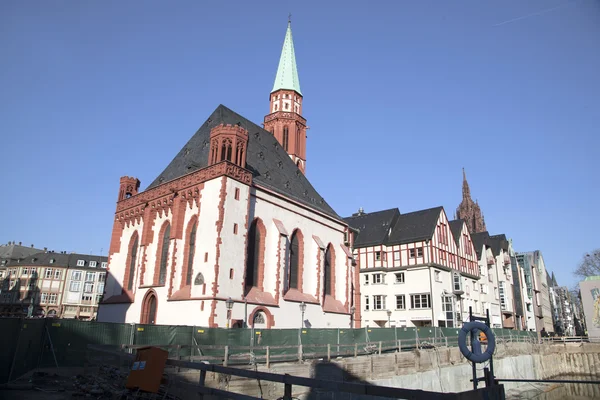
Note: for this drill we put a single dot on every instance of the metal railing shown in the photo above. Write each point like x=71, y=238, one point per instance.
x=569, y=339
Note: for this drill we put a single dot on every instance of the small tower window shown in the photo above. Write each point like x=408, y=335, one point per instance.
x=285, y=138
x=287, y=106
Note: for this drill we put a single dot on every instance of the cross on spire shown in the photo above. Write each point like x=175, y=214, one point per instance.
x=289, y=18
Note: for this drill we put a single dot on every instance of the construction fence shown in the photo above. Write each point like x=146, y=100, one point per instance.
x=37, y=343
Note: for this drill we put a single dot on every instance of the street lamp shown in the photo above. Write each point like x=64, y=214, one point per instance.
x=302, y=309
x=389, y=313
x=229, y=305
x=352, y=310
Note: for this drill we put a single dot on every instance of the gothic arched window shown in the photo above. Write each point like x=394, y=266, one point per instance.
x=255, y=254
x=164, y=255
x=226, y=150
x=132, y=261
x=329, y=270
x=191, y=249
x=295, y=278
x=285, y=138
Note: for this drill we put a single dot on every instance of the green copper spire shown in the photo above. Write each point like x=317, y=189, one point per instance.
x=287, y=72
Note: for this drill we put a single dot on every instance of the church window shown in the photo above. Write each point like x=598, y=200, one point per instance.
x=275, y=107
x=191, y=251
x=164, y=255
x=132, y=261
x=296, y=260
x=255, y=254
x=285, y=138
x=226, y=150
x=328, y=278
x=287, y=105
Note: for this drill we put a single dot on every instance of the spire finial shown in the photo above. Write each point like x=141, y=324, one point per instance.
x=289, y=18
x=464, y=174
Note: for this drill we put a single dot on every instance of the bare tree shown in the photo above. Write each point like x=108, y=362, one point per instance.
x=589, y=265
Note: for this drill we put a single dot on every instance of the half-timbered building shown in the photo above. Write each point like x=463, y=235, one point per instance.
x=232, y=232
x=412, y=270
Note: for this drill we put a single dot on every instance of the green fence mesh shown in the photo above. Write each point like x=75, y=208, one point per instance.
x=31, y=343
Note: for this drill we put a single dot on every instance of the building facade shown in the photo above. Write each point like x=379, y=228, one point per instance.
x=413, y=272
x=534, y=270
x=233, y=221
x=38, y=285
x=590, y=300
x=84, y=286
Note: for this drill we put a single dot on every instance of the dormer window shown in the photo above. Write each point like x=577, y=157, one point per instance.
x=104, y=264
x=80, y=263
x=52, y=260
x=93, y=264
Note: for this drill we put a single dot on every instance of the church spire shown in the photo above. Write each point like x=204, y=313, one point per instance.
x=287, y=72
x=465, y=188
x=469, y=210
x=285, y=120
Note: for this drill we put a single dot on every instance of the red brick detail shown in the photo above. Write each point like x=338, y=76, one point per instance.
x=300, y=259
x=159, y=246
x=246, y=230
x=219, y=224
x=186, y=249
x=270, y=317
x=228, y=142
x=128, y=271
x=279, y=267
x=178, y=218
x=348, y=277
x=148, y=232
x=128, y=186
x=115, y=239
x=156, y=197
x=319, y=263
x=213, y=314
x=173, y=264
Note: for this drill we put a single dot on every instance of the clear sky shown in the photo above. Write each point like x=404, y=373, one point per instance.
x=399, y=96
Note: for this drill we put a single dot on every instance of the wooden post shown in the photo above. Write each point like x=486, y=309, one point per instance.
x=446, y=337
x=328, y=352
x=201, y=381
x=268, y=356
x=179, y=356
x=300, y=353
x=355, y=350
x=226, y=356
x=380, y=347
x=399, y=345
x=287, y=390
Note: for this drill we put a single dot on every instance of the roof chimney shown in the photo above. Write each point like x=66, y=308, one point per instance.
x=20, y=243
x=361, y=211
x=32, y=245
x=45, y=249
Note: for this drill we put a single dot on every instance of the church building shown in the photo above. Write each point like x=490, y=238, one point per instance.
x=231, y=232
x=469, y=211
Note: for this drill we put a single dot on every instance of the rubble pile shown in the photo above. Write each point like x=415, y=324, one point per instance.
x=108, y=383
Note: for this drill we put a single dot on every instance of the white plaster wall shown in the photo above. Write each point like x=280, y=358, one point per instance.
x=118, y=261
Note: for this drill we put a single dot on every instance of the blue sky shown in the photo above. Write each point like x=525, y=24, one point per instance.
x=399, y=96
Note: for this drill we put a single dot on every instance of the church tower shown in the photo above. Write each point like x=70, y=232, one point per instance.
x=285, y=119
x=469, y=211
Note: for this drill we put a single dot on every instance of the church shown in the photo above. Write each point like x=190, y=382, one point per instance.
x=232, y=233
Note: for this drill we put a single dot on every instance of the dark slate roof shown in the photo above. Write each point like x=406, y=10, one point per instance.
x=479, y=239
x=43, y=259
x=456, y=228
x=497, y=243
x=269, y=163
x=16, y=252
x=60, y=260
x=373, y=227
x=415, y=226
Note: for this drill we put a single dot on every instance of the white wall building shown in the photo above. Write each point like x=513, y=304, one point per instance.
x=233, y=217
x=411, y=267
x=84, y=286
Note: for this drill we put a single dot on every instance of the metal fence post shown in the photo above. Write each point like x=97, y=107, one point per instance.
x=399, y=346
x=355, y=350
x=268, y=358
x=287, y=390
x=328, y=352
x=226, y=356
x=201, y=381
x=300, y=353
x=380, y=347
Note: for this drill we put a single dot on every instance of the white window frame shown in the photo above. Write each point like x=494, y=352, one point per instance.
x=88, y=287
x=76, y=275
x=100, y=288
x=90, y=276
x=49, y=273
x=456, y=275
x=399, y=277
x=437, y=276
x=80, y=263
x=403, y=305
x=379, y=298
x=104, y=264
x=422, y=298
x=75, y=286
x=378, y=255
x=101, y=277
x=93, y=264
x=366, y=279
x=378, y=279
x=57, y=274
x=366, y=303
